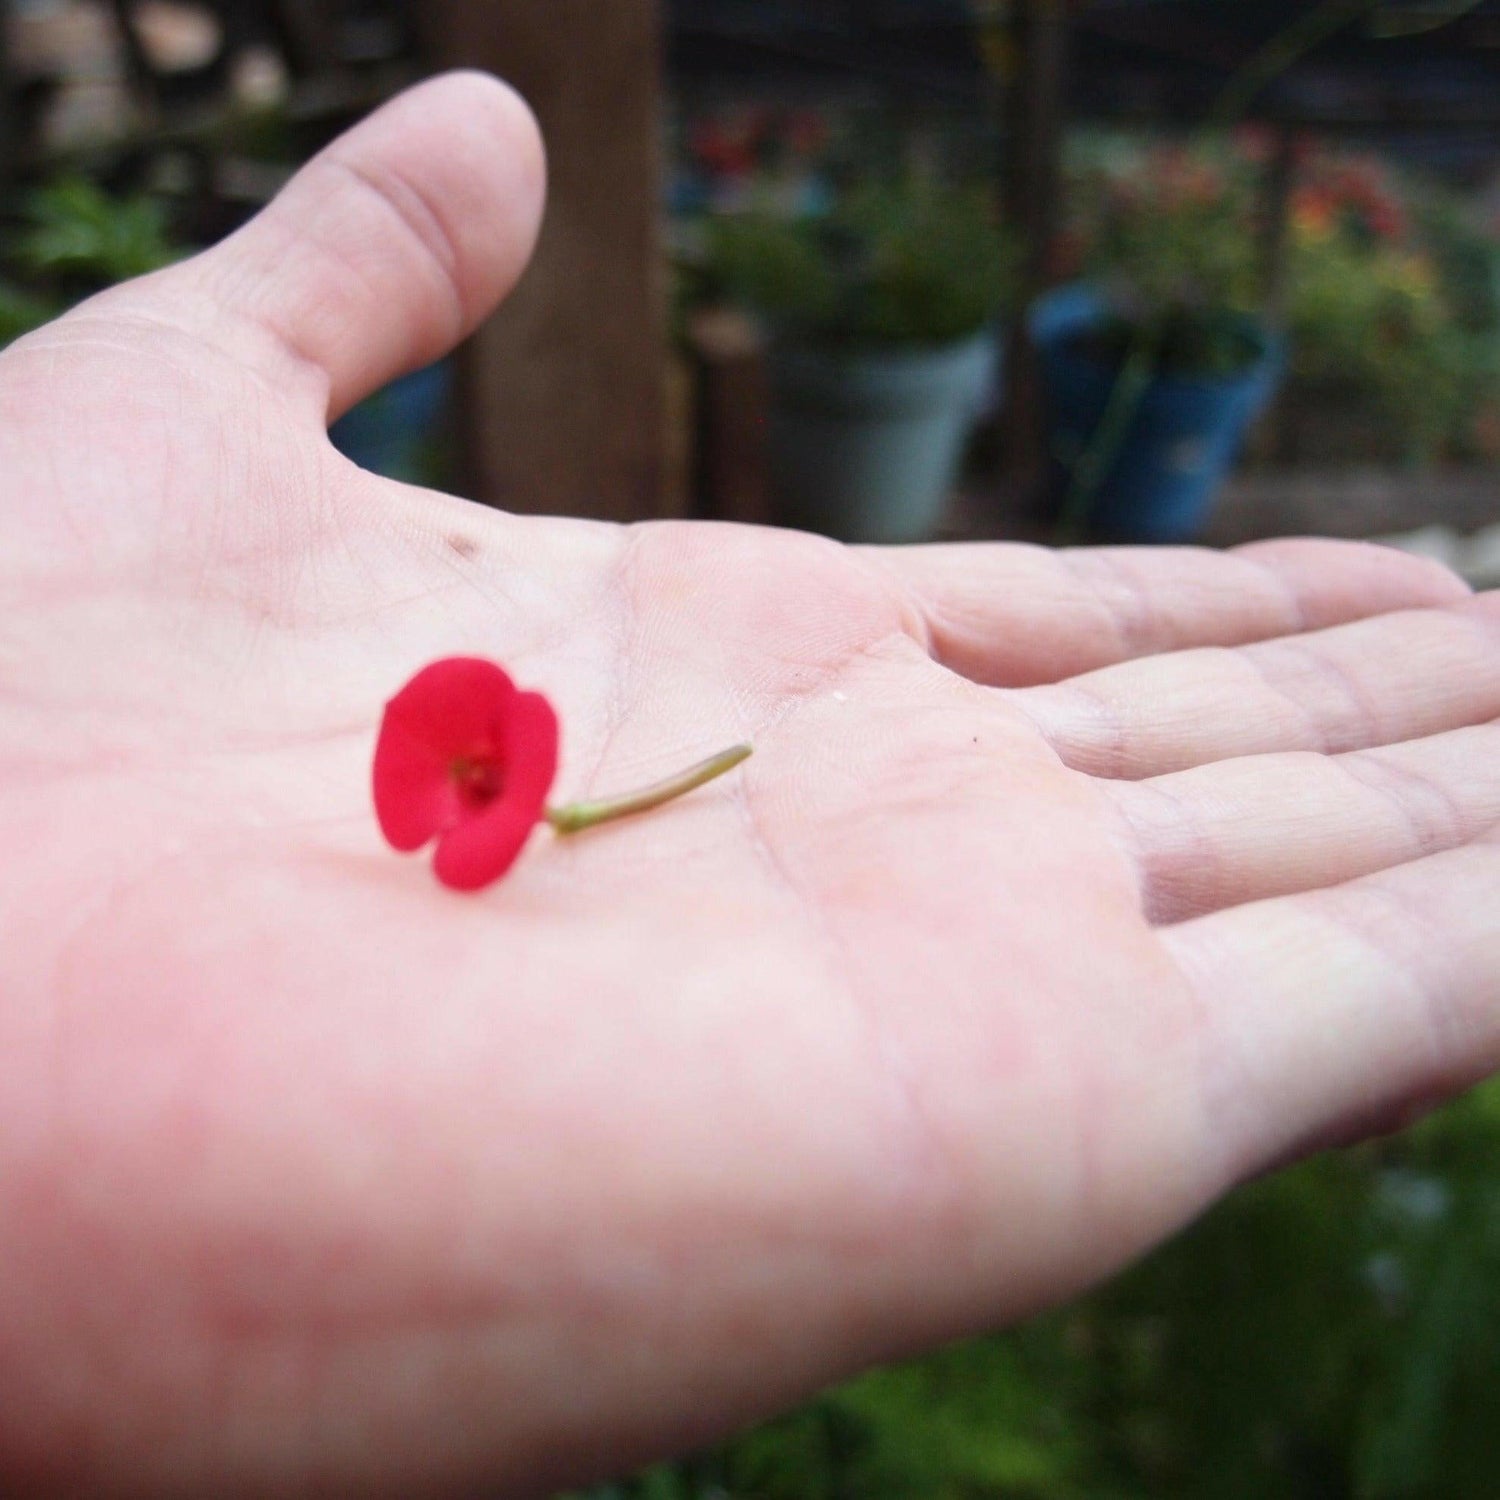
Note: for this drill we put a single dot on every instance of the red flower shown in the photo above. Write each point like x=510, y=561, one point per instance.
x=466, y=759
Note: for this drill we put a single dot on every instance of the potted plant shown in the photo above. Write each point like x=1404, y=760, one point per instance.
x=880, y=316
x=1157, y=364
x=1392, y=318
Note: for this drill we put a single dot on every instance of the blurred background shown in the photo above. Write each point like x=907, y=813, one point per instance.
x=1114, y=270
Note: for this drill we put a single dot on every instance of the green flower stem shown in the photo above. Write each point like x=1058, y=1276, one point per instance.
x=574, y=817
x=1103, y=448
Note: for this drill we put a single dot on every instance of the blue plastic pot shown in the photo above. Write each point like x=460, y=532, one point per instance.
x=391, y=432
x=1181, y=441
x=866, y=446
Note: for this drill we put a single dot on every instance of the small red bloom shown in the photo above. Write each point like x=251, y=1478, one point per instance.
x=465, y=758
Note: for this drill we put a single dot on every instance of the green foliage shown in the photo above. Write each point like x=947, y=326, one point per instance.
x=1395, y=304
x=915, y=264
x=1371, y=323
x=71, y=239
x=74, y=231
x=20, y=312
x=979, y=1418
x=1465, y=257
x=1392, y=289
x=1332, y=1331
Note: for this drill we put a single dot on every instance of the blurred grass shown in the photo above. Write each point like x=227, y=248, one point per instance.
x=1332, y=1331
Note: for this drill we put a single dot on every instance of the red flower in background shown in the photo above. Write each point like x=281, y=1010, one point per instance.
x=465, y=758
x=806, y=132
x=1355, y=194
x=721, y=152
x=1255, y=143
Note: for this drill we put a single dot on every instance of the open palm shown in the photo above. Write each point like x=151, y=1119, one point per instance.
x=1063, y=891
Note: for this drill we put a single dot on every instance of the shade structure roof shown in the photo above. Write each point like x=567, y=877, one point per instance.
x=1377, y=66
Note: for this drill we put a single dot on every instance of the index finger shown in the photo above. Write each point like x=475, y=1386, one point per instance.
x=1013, y=615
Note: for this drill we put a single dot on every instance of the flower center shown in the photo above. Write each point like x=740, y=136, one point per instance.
x=479, y=780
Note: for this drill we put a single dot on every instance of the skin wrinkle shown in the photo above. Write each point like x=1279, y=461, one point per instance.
x=928, y=1148
x=116, y=314
x=936, y=624
x=1123, y=841
x=624, y=633
x=349, y=536
x=1112, y=756
x=226, y=529
x=793, y=697
x=48, y=767
x=1329, y=672
x=553, y=1278
x=81, y=538
x=1439, y=1030
x=1236, y=1103
x=418, y=217
x=1292, y=597
x=307, y=518
x=957, y=623
x=1452, y=1031
x=1162, y=901
x=1107, y=758
x=1425, y=816
x=917, y=618
x=303, y=356
x=932, y=1146
x=795, y=701
x=1393, y=783
x=1136, y=625
x=347, y=486
x=1117, y=758
x=1482, y=616
x=423, y=226
x=257, y=593
x=942, y=625
x=1404, y=931
x=258, y=742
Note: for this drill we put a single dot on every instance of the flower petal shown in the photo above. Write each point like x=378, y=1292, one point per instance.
x=483, y=847
x=454, y=705
x=452, y=708
x=479, y=850
x=415, y=798
x=529, y=748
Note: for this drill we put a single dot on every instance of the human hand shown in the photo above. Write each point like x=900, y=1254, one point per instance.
x=1064, y=891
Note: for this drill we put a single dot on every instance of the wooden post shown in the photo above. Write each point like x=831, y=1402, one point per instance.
x=1277, y=186
x=729, y=475
x=562, y=404
x=1031, y=200
x=306, y=31
x=1275, y=210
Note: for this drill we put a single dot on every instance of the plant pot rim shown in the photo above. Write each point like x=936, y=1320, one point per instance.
x=784, y=341
x=1080, y=306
